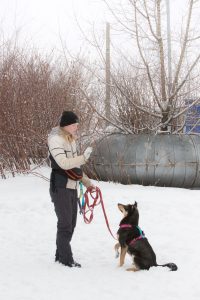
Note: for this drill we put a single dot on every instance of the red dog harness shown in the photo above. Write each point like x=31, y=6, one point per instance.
x=141, y=236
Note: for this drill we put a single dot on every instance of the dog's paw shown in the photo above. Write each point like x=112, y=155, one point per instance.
x=133, y=269
x=116, y=254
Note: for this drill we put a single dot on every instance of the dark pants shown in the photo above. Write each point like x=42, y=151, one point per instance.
x=65, y=203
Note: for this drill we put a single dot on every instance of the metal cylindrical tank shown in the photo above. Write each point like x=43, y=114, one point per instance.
x=163, y=160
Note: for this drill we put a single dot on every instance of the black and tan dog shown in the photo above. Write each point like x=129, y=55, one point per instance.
x=132, y=240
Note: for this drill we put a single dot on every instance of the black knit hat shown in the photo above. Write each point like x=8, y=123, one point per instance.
x=68, y=118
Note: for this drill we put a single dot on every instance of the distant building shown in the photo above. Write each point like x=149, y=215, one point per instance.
x=192, y=122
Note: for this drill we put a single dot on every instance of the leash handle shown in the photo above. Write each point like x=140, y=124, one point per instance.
x=90, y=207
x=82, y=199
x=87, y=207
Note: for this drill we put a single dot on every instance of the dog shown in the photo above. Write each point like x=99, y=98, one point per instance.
x=132, y=240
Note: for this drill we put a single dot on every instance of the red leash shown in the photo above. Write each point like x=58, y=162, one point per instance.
x=95, y=194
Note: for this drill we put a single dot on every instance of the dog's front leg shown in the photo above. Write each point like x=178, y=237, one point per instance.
x=122, y=255
x=117, y=246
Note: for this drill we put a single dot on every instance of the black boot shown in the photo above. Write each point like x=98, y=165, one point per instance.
x=73, y=264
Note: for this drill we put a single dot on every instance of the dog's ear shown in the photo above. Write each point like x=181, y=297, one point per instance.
x=132, y=208
x=135, y=204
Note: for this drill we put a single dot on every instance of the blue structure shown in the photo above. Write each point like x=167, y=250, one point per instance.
x=192, y=123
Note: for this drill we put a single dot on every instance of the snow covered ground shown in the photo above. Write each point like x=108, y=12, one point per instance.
x=170, y=218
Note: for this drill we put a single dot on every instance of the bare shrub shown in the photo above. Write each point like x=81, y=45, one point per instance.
x=33, y=93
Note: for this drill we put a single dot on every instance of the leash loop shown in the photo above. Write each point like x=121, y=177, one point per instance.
x=87, y=208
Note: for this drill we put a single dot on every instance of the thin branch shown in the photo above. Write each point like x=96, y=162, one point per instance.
x=144, y=61
x=103, y=117
x=174, y=84
x=185, y=79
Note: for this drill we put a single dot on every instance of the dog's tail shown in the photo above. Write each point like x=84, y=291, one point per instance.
x=171, y=266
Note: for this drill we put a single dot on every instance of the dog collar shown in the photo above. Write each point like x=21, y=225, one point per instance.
x=130, y=226
x=125, y=226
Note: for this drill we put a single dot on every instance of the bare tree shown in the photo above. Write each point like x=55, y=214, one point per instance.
x=149, y=91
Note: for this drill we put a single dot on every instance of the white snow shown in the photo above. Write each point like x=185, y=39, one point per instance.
x=168, y=216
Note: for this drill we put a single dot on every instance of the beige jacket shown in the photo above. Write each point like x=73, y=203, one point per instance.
x=63, y=150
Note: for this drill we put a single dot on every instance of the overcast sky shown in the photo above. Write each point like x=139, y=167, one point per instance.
x=42, y=22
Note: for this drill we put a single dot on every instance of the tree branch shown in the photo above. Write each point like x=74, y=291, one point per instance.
x=174, y=84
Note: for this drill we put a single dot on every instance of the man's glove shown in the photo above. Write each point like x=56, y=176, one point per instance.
x=87, y=153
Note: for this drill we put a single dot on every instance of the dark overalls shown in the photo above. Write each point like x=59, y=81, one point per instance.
x=65, y=204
